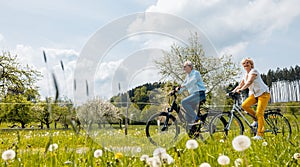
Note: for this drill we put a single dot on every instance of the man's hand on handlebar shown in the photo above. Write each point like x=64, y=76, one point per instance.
x=175, y=89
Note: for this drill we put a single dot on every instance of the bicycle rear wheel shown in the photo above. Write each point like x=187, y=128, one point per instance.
x=225, y=125
x=277, y=124
x=162, y=133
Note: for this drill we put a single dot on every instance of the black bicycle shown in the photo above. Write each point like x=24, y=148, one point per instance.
x=164, y=128
x=275, y=122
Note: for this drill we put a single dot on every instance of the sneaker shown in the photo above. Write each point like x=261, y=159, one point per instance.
x=254, y=124
x=195, y=123
x=257, y=138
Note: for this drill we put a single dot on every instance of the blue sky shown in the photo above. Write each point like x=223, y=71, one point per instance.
x=267, y=31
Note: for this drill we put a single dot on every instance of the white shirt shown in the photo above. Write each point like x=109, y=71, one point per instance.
x=258, y=87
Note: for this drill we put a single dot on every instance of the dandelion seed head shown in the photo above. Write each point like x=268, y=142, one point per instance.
x=264, y=143
x=144, y=157
x=98, y=153
x=52, y=147
x=8, y=155
x=191, y=144
x=223, y=160
x=154, y=162
x=205, y=164
x=166, y=158
x=241, y=143
x=159, y=152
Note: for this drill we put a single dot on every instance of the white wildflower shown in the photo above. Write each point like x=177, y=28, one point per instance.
x=191, y=144
x=53, y=147
x=98, y=153
x=159, y=152
x=166, y=158
x=264, y=143
x=153, y=162
x=238, y=162
x=8, y=155
x=296, y=156
x=138, y=149
x=204, y=165
x=144, y=157
x=241, y=143
x=223, y=160
x=68, y=162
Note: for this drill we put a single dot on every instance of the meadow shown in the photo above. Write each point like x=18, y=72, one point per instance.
x=110, y=147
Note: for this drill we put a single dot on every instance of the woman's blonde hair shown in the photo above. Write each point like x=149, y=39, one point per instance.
x=248, y=60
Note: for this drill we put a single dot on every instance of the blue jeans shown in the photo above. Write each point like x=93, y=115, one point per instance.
x=190, y=104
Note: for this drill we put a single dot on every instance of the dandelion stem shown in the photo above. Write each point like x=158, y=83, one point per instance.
x=245, y=159
x=194, y=163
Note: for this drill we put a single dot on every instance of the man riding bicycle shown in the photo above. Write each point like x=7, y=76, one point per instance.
x=194, y=84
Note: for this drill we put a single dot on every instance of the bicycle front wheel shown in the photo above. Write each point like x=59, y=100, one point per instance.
x=161, y=132
x=225, y=125
x=277, y=124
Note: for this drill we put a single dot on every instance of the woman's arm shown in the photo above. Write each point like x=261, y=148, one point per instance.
x=248, y=83
x=242, y=83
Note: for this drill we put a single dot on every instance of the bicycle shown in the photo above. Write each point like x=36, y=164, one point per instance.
x=163, y=127
x=275, y=122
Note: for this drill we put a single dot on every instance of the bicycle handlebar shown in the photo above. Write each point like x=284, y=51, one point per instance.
x=233, y=95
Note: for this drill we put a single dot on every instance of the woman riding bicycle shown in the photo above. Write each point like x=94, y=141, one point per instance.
x=258, y=93
x=194, y=84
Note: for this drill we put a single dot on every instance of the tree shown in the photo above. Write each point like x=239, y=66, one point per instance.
x=16, y=78
x=99, y=112
x=216, y=71
x=16, y=109
x=18, y=90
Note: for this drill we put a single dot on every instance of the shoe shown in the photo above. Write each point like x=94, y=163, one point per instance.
x=195, y=123
x=254, y=124
x=257, y=138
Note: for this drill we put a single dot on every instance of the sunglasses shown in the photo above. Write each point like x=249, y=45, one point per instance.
x=246, y=63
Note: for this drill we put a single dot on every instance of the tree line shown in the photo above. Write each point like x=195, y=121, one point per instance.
x=21, y=103
x=284, y=74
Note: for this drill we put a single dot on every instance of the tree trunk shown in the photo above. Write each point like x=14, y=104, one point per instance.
x=23, y=125
x=48, y=125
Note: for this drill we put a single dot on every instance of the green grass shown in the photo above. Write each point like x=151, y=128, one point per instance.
x=31, y=145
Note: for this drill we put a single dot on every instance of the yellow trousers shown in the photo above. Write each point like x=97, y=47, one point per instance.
x=262, y=102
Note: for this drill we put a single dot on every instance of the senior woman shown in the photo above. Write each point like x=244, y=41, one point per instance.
x=258, y=93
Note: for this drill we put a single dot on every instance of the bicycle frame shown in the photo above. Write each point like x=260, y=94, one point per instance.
x=237, y=108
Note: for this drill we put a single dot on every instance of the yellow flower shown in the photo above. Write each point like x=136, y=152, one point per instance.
x=118, y=155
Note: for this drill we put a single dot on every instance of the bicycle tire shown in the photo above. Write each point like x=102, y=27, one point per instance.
x=277, y=124
x=219, y=129
x=159, y=136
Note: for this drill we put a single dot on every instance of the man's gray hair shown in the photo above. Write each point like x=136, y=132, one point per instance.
x=189, y=63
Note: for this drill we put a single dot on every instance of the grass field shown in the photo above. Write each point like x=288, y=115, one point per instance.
x=70, y=149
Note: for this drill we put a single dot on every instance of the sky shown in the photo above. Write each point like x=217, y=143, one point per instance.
x=265, y=30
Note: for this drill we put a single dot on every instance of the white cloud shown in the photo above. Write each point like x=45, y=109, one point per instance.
x=235, y=50
x=230, y=21
x=33, y=57
x=106, y=70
